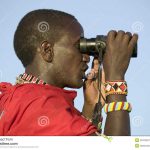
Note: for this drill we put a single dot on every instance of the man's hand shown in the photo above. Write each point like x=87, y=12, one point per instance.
x=116, y=60
x=119, y=50
x=91, y=92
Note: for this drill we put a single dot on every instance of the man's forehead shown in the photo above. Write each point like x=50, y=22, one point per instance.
x=75, y=36
x=73, y=31
x=70, y=38
x=74, y=26
x=77, y=31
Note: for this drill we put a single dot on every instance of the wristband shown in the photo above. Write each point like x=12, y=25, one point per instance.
x=116, y=87
x=117, y=106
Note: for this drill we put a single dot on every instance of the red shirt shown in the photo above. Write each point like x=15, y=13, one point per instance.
x=33, y=109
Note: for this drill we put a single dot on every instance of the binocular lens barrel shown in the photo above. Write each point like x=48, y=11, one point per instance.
x=93, y=46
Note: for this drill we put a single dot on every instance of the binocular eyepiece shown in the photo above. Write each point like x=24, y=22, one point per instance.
x=94, y=46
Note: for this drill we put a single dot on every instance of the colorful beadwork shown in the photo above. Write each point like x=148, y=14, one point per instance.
x=28, y=78
x=115, y=106
x=115, y=87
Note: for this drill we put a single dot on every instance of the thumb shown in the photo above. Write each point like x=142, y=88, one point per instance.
x=90, y=77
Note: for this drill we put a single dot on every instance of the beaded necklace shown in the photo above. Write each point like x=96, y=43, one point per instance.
x=28, y=78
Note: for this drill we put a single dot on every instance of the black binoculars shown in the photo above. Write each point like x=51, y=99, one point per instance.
x=94, y=46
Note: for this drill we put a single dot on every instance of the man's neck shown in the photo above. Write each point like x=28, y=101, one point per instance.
x=46, y=76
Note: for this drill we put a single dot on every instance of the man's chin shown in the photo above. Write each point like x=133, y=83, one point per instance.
x=78, y=84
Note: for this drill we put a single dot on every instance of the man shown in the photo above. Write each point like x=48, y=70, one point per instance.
x=45, y=42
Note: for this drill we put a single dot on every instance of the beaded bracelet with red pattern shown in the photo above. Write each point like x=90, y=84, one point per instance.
x=116, y=87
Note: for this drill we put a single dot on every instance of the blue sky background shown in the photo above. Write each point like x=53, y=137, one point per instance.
x=96, y=17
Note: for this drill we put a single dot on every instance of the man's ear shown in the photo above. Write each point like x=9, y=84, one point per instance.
x=46, y=50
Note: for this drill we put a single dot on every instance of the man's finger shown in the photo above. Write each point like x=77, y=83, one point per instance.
x=127, y=37
x=89, y=78
x=120, y=35
x=111, y=35
x=132, y=43
x=96, y=64
x=91, y=75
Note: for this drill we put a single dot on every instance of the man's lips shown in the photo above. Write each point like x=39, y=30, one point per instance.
x=83, y=75
x=83, y=70
x=85, y=67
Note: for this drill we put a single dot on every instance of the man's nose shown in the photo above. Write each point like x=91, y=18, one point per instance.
x=85, y=58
